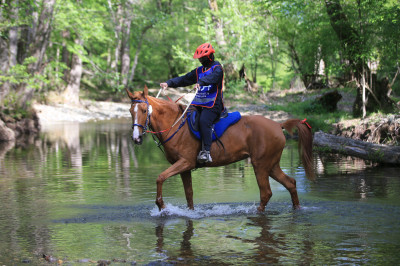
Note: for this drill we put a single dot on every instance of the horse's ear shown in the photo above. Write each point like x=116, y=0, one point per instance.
x=130, y=95
x=145, y=91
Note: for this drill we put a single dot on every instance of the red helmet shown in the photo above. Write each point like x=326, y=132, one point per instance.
x=203, y=50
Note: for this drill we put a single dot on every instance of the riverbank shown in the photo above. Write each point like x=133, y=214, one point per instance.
x=86, y=111
x=102, y=110
x=377, y=128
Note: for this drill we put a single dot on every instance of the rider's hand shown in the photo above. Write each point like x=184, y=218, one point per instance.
x=164, y=85
x=196, y=86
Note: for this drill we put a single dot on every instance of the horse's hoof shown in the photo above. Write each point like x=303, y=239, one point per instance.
x=160, y=208
x=260, y=209
x=160, y=204
x=296, y=207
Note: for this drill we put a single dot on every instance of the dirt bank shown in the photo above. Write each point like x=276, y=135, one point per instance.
x=378, y=128
x=88, y=110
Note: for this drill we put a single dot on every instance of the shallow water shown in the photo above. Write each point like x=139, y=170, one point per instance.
x=83, y=193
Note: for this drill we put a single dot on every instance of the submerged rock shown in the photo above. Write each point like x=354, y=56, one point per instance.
x=6, y=134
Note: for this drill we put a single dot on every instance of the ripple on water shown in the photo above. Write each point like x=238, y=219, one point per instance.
x=203, y=211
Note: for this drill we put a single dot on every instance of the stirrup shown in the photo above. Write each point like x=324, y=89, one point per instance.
x=204, y=157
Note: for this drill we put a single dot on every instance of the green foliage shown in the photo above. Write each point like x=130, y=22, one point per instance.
x=19, y=74
x=317, y=116
x=275, y=40
x=234, y=86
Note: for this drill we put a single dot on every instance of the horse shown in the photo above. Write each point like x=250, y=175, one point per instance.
x=254, y=136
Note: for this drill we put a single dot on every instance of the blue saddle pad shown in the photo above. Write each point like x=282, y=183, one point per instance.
x=220, y=127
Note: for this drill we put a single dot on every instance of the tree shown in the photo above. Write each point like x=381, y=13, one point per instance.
x=27, y=29
x=306, y=38
x=372, y=94
x=76, y=24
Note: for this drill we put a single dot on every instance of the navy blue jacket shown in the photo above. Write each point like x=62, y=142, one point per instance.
x=191, y=78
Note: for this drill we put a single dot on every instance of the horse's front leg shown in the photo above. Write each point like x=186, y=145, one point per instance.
x=178, y=167
x=187, y=185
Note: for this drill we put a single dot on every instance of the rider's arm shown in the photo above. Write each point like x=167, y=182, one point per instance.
x=182, y=81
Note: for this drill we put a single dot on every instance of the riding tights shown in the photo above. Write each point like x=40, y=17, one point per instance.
x=207, y=117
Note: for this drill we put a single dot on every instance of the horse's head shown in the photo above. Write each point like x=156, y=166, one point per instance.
x=140, y=111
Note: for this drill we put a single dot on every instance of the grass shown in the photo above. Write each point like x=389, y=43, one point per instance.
x=317, y=116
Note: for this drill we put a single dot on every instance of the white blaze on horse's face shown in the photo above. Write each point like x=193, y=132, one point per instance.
x=140, y=115
x=136, y=134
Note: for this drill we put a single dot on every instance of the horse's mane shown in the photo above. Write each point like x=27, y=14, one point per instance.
x=168, y=105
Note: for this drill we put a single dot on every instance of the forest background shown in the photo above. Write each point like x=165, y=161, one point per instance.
x=61, y=50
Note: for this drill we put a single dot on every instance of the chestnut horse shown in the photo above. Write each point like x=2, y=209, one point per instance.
x=252, y=136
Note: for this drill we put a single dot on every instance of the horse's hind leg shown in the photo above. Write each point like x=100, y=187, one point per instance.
x=288, y=182
x=262, y=175
x=187, y=184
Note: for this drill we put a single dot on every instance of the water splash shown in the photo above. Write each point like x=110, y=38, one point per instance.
x=201, y=211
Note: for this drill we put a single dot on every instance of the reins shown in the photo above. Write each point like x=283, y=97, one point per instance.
x=187, y=107
x=183, y=114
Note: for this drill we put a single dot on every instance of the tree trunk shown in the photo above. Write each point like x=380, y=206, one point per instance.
x=4, y=88
x=138, y=48
x=297, y=66
x=3, y=56
x=125, y=62
x=65, y=54
x=71, y=93
x=42, y=36
x=272, y=56
x=219, y=32
x=13, y=36
x=116, y=18
x=357, y=148
x=9, y=54
x=28, y=32
x=38, y=48
x=231, y=72
x=126, y=33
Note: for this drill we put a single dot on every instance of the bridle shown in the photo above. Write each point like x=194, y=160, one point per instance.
x=146, y=124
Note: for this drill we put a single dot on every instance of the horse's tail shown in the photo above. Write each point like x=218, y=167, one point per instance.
x=305, y=143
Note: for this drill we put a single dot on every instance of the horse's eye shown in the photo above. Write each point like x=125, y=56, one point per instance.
x=144, y=111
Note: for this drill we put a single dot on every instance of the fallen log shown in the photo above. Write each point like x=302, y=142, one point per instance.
x=357, y=148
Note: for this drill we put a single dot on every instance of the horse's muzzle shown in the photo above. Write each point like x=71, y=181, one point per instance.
x=138, y=140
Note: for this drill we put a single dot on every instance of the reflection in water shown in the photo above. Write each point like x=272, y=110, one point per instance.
x=267, y=244
x=354, y=177
x=5, y=146
x=185, y=250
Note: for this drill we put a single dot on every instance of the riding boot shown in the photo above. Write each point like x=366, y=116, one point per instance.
x=204, y=157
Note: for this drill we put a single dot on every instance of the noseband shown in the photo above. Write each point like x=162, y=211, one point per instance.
x=146, y=124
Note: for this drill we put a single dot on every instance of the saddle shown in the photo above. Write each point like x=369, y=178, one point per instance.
x=219, y=127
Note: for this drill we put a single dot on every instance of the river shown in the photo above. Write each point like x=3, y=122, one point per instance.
x=82, y=192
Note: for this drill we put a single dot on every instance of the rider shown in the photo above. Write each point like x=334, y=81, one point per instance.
x=208, y=78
